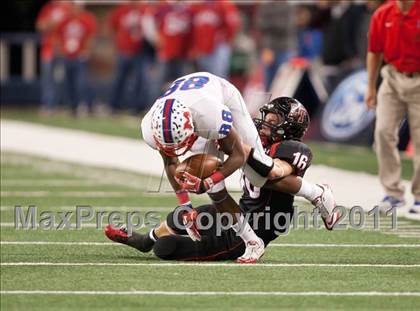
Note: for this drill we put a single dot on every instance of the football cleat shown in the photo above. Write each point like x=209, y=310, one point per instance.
x=331, y=220
x=326, y=205
x=118, y=235
x=254, y=251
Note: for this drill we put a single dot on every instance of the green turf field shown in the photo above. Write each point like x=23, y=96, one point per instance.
x=81, y=269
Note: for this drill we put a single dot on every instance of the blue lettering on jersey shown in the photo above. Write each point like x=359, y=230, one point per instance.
x=196, y=82
x=228, y=118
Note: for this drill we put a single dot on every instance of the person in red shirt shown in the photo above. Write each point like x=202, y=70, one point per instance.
x=173, y=27
x=74, y=36
x=215, y=24
x=51, y=14
x=126, y=23
x=394, y=36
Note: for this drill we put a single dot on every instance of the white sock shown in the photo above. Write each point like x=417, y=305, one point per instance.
x=152, y=235
x=309, y=191
x=245, y=231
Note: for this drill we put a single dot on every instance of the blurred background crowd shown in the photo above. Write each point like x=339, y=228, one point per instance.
x=104, y=57
x=120, y=54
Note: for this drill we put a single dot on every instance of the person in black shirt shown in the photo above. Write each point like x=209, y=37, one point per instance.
x=268, y=210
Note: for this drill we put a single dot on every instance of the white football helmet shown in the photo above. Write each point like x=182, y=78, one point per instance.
x=173, y=129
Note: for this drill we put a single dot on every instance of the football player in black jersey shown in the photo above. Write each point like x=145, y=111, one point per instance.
x=269, y=209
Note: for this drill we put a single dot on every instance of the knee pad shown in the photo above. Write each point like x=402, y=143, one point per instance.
x=165, y=247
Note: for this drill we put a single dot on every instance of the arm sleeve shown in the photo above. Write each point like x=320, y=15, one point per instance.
x=297, y=154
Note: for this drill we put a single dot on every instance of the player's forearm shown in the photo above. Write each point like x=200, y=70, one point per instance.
x=233, y=163
x=232, y=146
x=373, y=61
x=280, y=169
x=236, y=159
x=170, y=165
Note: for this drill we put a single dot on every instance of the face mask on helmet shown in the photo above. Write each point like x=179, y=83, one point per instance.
x=282, y=118
x=173, y=129
x=269, y=127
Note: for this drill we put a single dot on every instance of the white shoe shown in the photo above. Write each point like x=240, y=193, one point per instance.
x=254, y=251
x=326, y=205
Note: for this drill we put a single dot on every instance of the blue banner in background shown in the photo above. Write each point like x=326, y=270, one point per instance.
x=345, y=115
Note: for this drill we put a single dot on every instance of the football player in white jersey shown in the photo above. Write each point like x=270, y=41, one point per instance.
x=282, y=125
x=203, y=113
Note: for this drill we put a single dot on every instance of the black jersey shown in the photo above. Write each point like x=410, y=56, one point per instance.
x=262, y=200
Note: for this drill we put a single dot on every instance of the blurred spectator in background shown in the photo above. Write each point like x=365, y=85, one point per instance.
x=370, y=7
x=276, y=24
x=309, y=35
x=394, y=36
x=173, y=23
x=342, y=39
x=214, y=26
x=75, y=34
x=51, y=14
x=126, y=25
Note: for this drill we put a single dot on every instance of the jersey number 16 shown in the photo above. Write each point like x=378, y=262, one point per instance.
x=300, y=160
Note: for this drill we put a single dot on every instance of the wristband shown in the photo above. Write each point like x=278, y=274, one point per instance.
x=183, y=197
x=216, y=177
x=210, y=181
x=258, y=166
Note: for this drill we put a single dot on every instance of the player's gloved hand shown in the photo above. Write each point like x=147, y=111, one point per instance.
x=189, y=221
x=194, y=184
x=197, y=185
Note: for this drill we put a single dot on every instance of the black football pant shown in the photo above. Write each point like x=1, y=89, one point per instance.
x=213, y=246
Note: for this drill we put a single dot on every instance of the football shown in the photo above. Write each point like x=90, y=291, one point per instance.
x=199, y=165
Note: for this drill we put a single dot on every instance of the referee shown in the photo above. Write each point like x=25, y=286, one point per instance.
x=394, y=37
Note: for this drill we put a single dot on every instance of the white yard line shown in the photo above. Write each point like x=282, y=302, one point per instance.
x=207, y=264
x=61, y=243
x=409, y=236
x=49, y=183
x=399, y=230
x=73, y=225
x=82, y=194
x=270, y=245
x=5, y=208
x=405, y=232
x=205, y=293
x=347, y=245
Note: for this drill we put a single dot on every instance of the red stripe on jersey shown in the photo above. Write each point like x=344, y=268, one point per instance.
x=273, y=149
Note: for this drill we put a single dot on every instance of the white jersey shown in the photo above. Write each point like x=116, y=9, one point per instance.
x=216, y=106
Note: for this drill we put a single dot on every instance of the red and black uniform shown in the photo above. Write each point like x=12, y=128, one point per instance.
x=228, y=245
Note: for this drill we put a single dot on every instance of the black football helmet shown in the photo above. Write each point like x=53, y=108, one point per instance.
x=294, y=119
